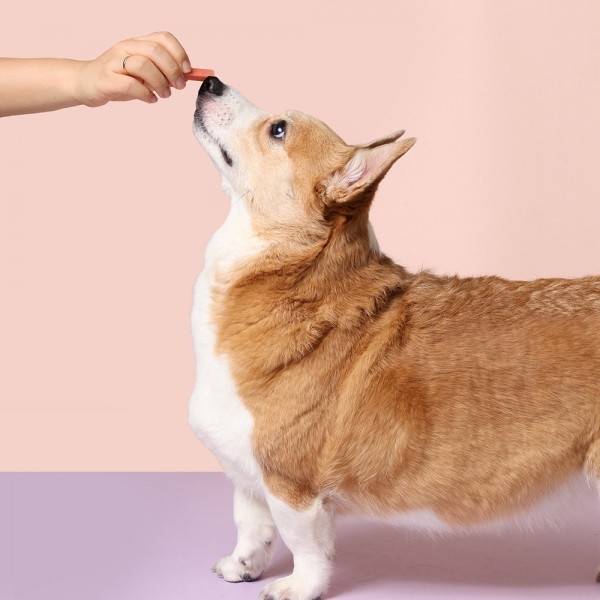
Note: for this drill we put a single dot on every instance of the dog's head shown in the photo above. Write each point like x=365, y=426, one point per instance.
x=293, y=173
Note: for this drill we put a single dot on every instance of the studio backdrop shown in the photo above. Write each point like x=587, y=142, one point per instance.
x=105, y=213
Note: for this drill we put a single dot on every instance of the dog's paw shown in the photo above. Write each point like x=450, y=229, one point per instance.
x=236, y=569
x=291, y=588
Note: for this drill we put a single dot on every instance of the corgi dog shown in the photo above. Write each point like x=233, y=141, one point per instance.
x=332, y=380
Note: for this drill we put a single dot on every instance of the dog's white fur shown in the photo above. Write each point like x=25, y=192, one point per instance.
x=216, y=414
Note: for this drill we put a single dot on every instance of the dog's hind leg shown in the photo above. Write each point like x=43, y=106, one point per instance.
x=592, y=469
x=256, y=534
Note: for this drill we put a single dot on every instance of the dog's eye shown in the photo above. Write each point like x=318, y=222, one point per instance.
x=278, y=130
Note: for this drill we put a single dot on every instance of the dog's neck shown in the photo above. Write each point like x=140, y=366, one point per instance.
x=304, y=292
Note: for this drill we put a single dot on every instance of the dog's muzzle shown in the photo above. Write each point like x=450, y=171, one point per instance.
x=211, y=87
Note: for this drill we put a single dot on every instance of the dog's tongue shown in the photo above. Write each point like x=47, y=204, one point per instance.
x=199, y=74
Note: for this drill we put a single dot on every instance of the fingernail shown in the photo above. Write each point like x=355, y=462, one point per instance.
x=166, y=93
x=153, y=99
x=186, y=66
x=180, y=83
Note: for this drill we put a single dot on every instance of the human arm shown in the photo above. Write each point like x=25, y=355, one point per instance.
x=156, y=64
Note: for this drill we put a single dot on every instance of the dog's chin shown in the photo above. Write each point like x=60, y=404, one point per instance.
x=216, y=151
x=200, y=130
x=208, y=141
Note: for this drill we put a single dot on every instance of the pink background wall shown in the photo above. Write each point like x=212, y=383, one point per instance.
x=105, y=213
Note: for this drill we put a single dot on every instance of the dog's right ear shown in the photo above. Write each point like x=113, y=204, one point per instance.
x=363, y=171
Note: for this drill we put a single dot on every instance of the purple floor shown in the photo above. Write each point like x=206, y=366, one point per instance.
x=155, y=536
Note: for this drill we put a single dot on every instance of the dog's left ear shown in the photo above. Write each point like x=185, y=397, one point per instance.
x=385, y=140
x=364, y=170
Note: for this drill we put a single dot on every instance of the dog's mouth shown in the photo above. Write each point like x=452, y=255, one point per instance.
x=201, y=127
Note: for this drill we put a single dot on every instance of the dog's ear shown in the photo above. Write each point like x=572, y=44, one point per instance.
x=366, y=167
x=385, y=140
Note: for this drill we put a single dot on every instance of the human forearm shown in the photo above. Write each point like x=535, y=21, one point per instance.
x=29, y=85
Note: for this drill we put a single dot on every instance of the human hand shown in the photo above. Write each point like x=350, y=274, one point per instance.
x=139, y=68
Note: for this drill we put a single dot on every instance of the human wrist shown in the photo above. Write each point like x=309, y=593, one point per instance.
x=75, y=82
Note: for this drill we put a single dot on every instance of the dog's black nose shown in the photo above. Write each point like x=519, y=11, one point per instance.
x=212, y=85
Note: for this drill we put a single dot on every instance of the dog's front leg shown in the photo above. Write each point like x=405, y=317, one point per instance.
x=308, y=534
x=256, y=534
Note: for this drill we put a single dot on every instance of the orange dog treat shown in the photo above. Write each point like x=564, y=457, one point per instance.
x=199, y=74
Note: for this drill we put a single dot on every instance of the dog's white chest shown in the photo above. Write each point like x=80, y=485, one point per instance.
x=216, y=413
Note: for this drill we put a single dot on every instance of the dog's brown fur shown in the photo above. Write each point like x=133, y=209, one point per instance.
x=393, y=391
